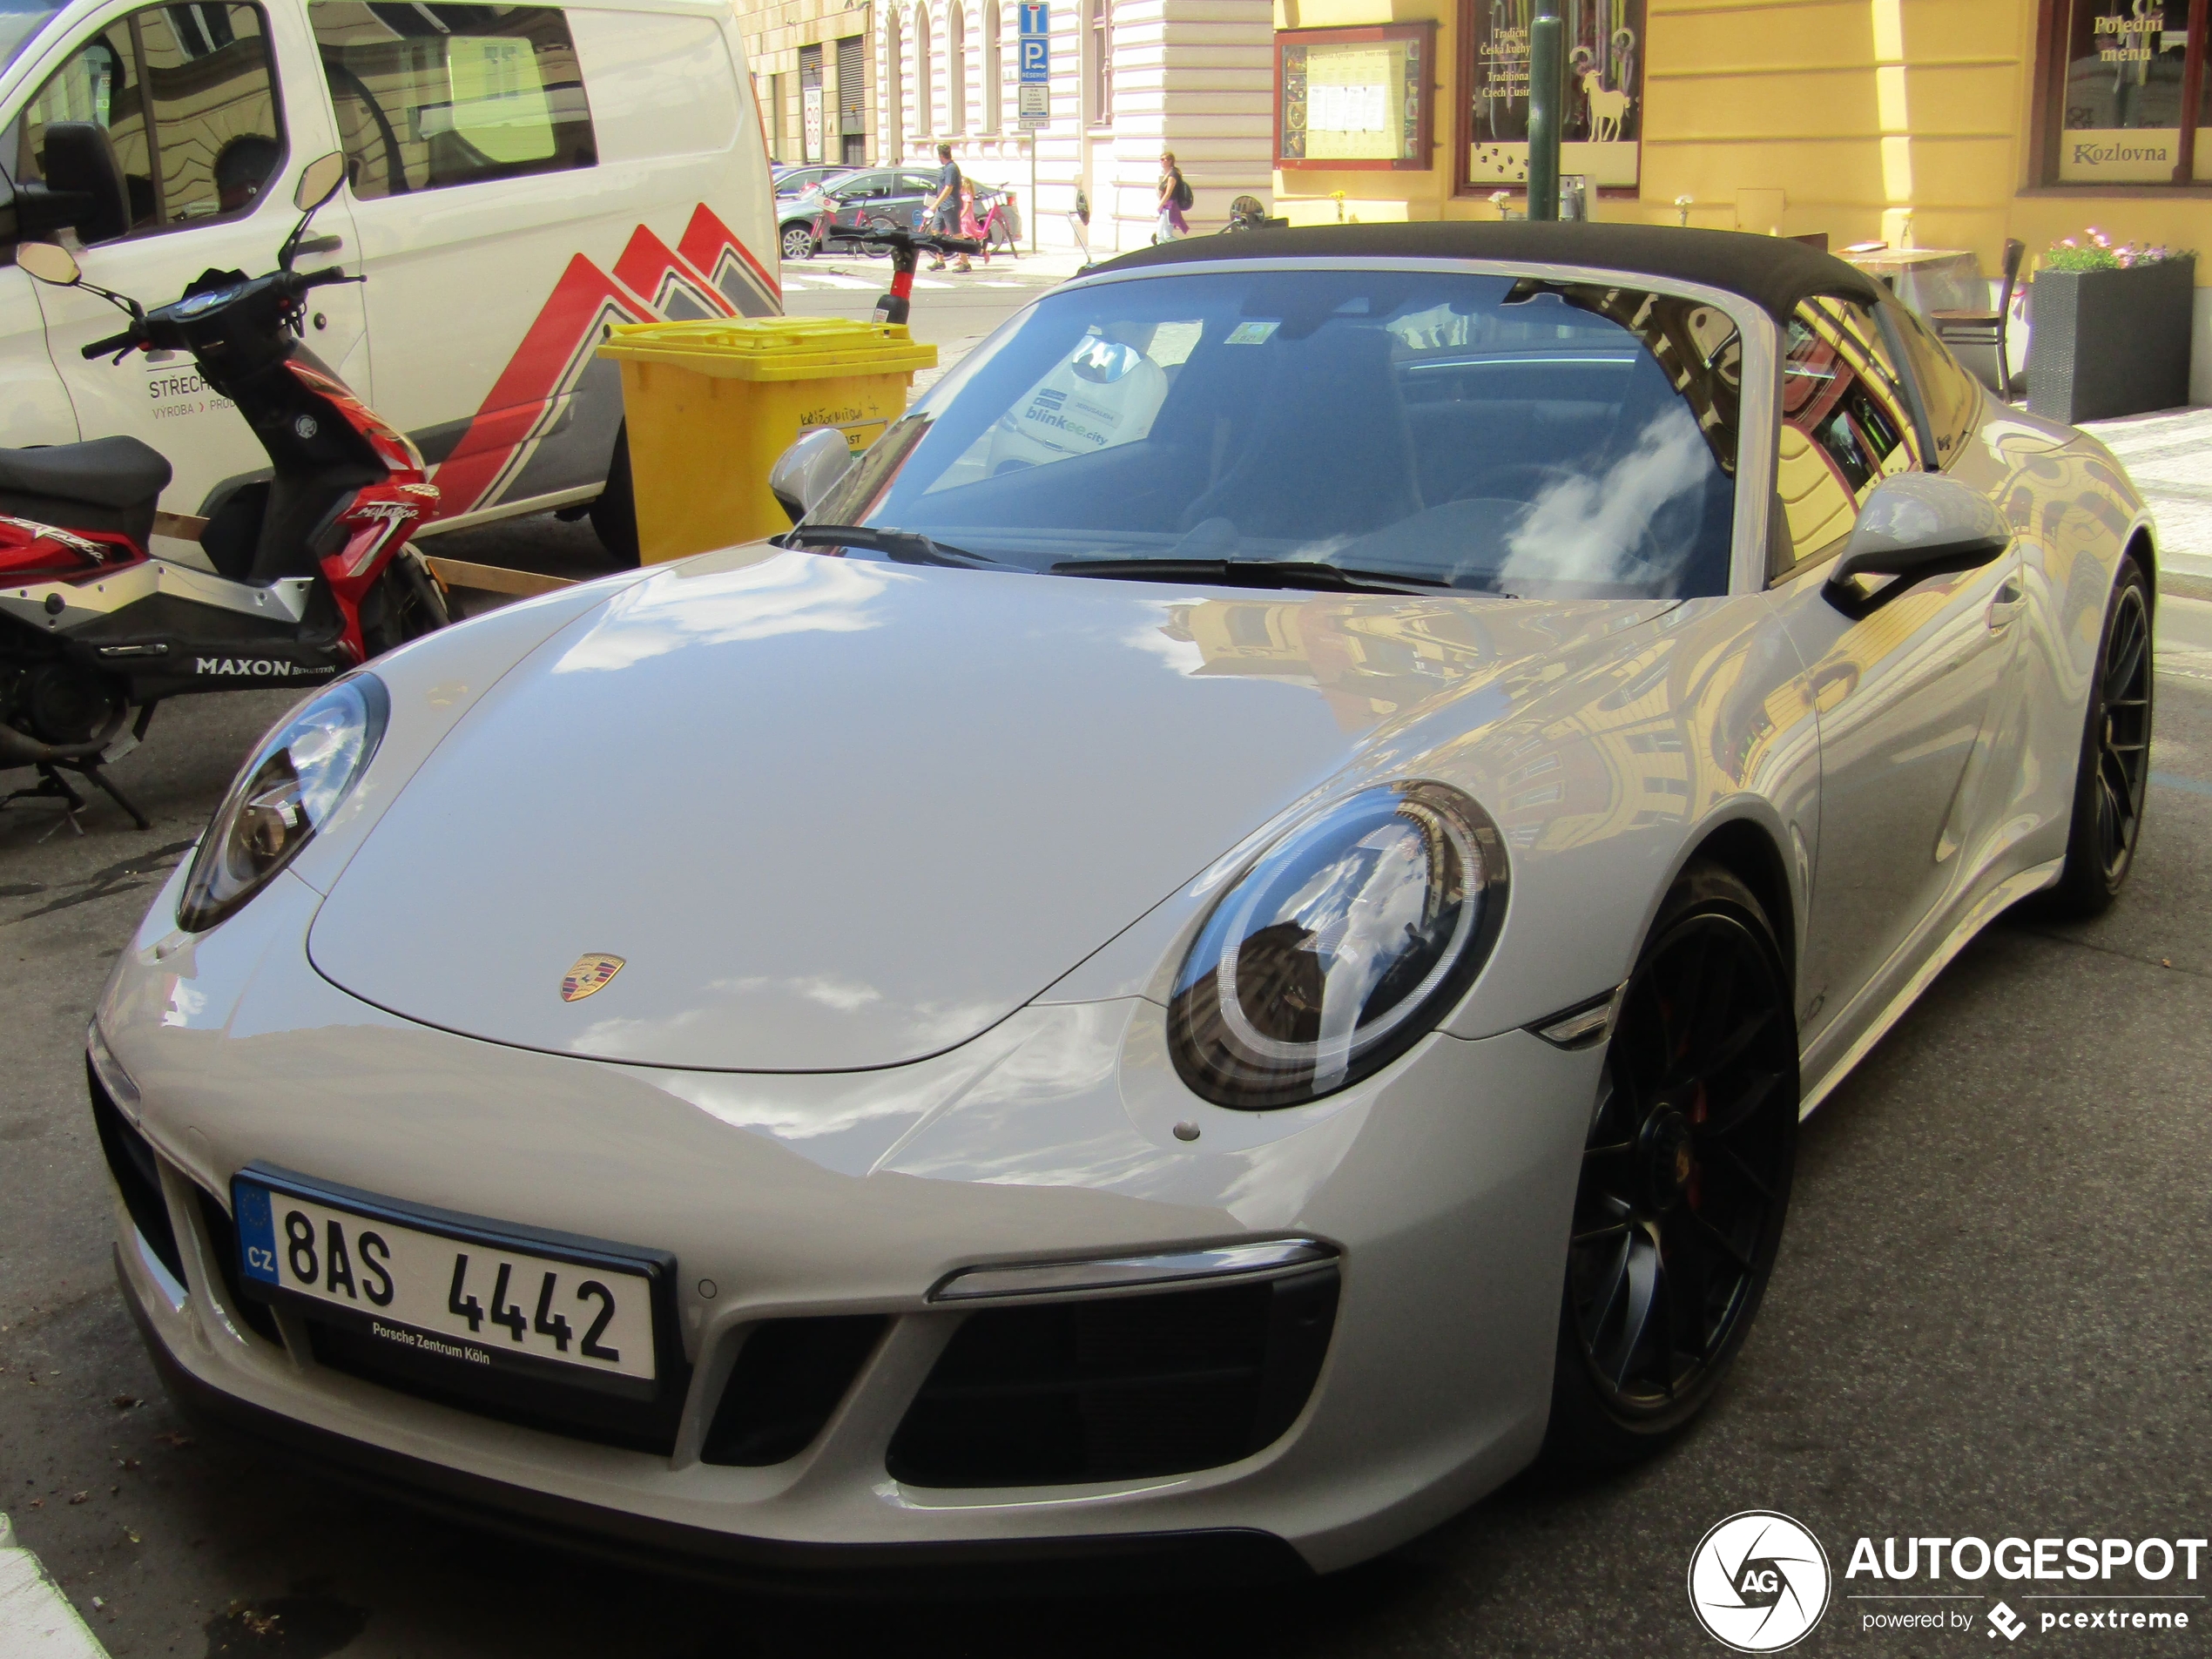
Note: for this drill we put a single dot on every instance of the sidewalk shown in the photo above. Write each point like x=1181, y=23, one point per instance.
x=2170, y=456
x=36, y=1621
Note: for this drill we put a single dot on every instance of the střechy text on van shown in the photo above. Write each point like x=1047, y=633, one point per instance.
x=519, y=178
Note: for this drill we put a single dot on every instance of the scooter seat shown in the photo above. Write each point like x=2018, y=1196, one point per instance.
x=116, y=473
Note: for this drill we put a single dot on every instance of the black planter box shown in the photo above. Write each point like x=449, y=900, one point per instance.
x=2103, y=343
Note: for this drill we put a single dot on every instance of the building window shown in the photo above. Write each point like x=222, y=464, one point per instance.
x=852, y=100
x=1604, y=121
x=1101, y=18
x=991, y=90
x=2119, y=75
x=956, y=68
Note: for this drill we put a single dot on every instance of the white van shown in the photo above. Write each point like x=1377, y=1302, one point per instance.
x=519, y=178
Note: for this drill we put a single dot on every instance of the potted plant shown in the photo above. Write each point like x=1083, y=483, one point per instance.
x=2109, y=329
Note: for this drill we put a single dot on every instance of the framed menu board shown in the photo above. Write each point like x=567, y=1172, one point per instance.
x=1352, y=98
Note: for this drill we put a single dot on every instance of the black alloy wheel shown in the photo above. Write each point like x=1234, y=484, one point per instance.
x=2115, y=773
x=1685, y=1177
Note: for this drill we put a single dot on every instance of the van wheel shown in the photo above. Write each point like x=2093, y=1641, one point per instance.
x=799, y=242
x=614, y=516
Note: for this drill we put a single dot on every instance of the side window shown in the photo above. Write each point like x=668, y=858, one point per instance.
x=1951, y=395
x=1845, y=426
x=99, y=83
x=215, y=124
x=429, y=97
x=202, y=73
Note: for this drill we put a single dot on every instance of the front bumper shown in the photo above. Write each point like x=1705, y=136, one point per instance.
x=1445, y=1183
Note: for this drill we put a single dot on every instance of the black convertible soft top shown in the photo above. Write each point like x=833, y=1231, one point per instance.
x=1771, y=270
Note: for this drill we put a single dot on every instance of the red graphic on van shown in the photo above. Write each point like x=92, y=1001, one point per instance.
x=710, y=274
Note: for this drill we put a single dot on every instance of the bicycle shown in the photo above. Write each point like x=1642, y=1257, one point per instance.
x=998, y=228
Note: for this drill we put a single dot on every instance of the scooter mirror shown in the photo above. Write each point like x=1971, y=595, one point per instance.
x=318, y=182
x=50, y=262
x=804, y=473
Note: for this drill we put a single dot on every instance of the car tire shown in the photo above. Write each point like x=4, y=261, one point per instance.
x=2111, y=778
x=1685, y=1180
x=798, y=241
x=613, y=514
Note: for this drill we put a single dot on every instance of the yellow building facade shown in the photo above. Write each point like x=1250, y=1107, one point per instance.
x=1954, y=123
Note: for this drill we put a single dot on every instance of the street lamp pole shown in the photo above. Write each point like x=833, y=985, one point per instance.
x=1547, y=99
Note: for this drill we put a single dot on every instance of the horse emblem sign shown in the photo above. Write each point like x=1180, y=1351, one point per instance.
x=590, y=973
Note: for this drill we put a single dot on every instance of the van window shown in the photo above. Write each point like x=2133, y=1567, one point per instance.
x=429, y=96
x=204, y=70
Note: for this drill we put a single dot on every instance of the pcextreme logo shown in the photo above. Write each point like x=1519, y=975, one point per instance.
x=1758, y=1581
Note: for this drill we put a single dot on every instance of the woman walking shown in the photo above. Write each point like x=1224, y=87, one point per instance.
x=1175, y=196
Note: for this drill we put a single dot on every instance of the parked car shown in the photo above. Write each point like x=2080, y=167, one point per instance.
x=491, y=264
x=851, y=201
x=1289, y=848
x=796, y=180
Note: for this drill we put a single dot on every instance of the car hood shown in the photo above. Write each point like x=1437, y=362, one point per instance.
x=833, y=814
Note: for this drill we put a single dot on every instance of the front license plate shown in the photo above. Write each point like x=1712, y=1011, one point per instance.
x=450, y=1287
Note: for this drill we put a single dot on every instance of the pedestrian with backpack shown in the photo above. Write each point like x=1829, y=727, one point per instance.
x=1175, y=196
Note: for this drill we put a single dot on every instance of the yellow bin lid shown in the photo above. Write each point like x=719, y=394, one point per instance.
x=772, y=348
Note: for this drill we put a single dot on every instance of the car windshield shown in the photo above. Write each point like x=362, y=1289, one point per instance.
x=1494, y=433
x=20, y=24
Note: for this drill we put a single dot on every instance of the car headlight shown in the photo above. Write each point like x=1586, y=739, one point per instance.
x=284, y=793
x=1341, y=945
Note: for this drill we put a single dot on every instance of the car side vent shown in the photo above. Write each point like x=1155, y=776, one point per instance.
x=222, y=1241
x=789, y=1376
x=1117, y=1388
x=137, y=1176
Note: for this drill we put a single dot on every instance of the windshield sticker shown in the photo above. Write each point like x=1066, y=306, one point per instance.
x=1252, y=333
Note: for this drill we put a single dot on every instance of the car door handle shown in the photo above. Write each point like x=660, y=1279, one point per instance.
x=2007, y=606
x=321, y=244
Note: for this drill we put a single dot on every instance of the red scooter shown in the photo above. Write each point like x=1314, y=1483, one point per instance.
x=312, y=572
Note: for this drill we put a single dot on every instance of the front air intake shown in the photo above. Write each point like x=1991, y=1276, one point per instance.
x=137, y=1176
x=1113, y=1388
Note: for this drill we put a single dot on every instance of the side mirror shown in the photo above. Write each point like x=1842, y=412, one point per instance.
x=318, y=182
x=808, y=470
x=50, y=262
x=1914, y=526
x=85, y=186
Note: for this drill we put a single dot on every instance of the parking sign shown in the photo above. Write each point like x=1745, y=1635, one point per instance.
x=1036, y=41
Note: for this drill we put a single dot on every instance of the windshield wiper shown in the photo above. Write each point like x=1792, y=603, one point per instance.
x=1252, y=573
x=901, y=547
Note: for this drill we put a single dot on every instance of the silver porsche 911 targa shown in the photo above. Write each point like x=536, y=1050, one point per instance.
x=1224, y=945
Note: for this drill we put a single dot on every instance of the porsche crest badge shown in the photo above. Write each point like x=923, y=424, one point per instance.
x=591, y=973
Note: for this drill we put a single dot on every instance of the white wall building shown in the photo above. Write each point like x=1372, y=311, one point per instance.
x=1129, y=77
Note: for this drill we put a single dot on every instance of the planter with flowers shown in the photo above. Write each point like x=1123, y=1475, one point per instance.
x=2110, y=329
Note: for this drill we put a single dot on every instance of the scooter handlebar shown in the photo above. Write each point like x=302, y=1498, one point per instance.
x=111, y=344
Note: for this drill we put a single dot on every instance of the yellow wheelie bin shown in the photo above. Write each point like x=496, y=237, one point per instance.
x=711, y=404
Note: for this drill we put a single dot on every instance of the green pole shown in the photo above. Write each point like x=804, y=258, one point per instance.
x=1546, y=88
